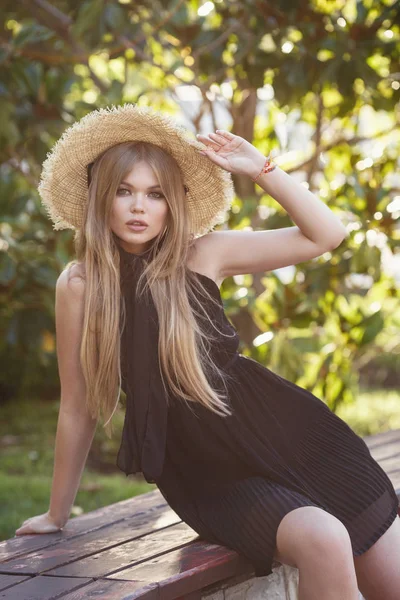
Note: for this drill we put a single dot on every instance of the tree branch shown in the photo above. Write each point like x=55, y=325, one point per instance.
x=318, y=134
x=60, y=23
x=351, y=142
x=217, y=42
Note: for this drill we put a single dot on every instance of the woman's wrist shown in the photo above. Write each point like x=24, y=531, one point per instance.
x=257, y=164
x=268, y=181
x=59, y=521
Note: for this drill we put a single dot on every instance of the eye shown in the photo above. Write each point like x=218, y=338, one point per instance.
x=120, y=190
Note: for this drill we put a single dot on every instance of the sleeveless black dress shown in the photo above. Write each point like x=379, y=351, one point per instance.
x=233, y=479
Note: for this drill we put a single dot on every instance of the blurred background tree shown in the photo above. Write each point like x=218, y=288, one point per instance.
x=315, y=82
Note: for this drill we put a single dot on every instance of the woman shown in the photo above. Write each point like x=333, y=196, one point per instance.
x=248, y=459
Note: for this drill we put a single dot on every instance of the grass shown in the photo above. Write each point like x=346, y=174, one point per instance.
x=27, y=433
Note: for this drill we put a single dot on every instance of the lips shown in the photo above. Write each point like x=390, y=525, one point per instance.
x=137, y=221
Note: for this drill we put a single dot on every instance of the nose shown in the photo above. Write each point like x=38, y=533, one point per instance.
x=138, y=201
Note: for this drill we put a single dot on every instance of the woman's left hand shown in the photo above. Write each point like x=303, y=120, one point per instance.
x=232, y=152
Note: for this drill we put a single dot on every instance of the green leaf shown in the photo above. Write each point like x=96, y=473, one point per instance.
x=32, y=33
x=372, y=326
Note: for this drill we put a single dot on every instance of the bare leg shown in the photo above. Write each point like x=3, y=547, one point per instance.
x=378, y=569
x=318, y=544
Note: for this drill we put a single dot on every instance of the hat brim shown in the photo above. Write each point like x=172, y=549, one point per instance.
x=63, y=183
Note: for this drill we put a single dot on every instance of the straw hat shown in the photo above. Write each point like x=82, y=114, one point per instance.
x=63, y=183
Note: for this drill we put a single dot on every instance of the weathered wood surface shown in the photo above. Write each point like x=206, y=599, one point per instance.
x=385, y=448
x=138, y=548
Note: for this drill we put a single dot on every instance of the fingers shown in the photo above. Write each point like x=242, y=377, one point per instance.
x=216, y=140
x=25, y=527
x=21, y=529
x=27, y=530
x=226, y=135
x=208, y=142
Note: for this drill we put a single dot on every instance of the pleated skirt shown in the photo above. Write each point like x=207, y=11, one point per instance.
x=235, y=496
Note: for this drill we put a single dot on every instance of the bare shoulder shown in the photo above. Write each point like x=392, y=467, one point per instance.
x=203, y=257
x=71, y=280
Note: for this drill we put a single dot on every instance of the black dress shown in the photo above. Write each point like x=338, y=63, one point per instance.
x=232, y=479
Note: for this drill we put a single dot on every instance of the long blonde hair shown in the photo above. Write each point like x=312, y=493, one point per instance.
x=183, y=347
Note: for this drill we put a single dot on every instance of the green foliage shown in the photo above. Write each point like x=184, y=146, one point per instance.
x=323, y=70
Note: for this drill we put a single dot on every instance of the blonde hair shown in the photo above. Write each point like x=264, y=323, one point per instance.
x=184, y=346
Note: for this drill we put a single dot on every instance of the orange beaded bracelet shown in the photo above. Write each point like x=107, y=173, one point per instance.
x=267, y=168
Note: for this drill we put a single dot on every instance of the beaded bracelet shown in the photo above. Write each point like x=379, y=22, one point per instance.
x=267, y=168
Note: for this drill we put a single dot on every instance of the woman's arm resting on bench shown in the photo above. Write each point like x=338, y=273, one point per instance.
x=75, y=427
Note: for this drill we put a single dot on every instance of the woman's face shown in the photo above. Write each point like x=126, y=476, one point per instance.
x=138, y=196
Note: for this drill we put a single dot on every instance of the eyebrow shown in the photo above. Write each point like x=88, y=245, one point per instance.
x=152, y=187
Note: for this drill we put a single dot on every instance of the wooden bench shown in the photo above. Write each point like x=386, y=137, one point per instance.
x=140, y=548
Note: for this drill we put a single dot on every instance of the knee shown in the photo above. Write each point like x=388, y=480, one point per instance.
x=326, y=536
x=310, y=533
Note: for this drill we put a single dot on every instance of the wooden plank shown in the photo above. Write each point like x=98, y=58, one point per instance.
x=197, y=595
x=7, y=581
x=226, y=583
x=116, y=559
x=385, y=449
x=188, y=569
x=394, y=477
x=146, y=505
x=379, y=439
x=43, y=588
x=96, y=542
x=115, y=590
x=388, y=463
